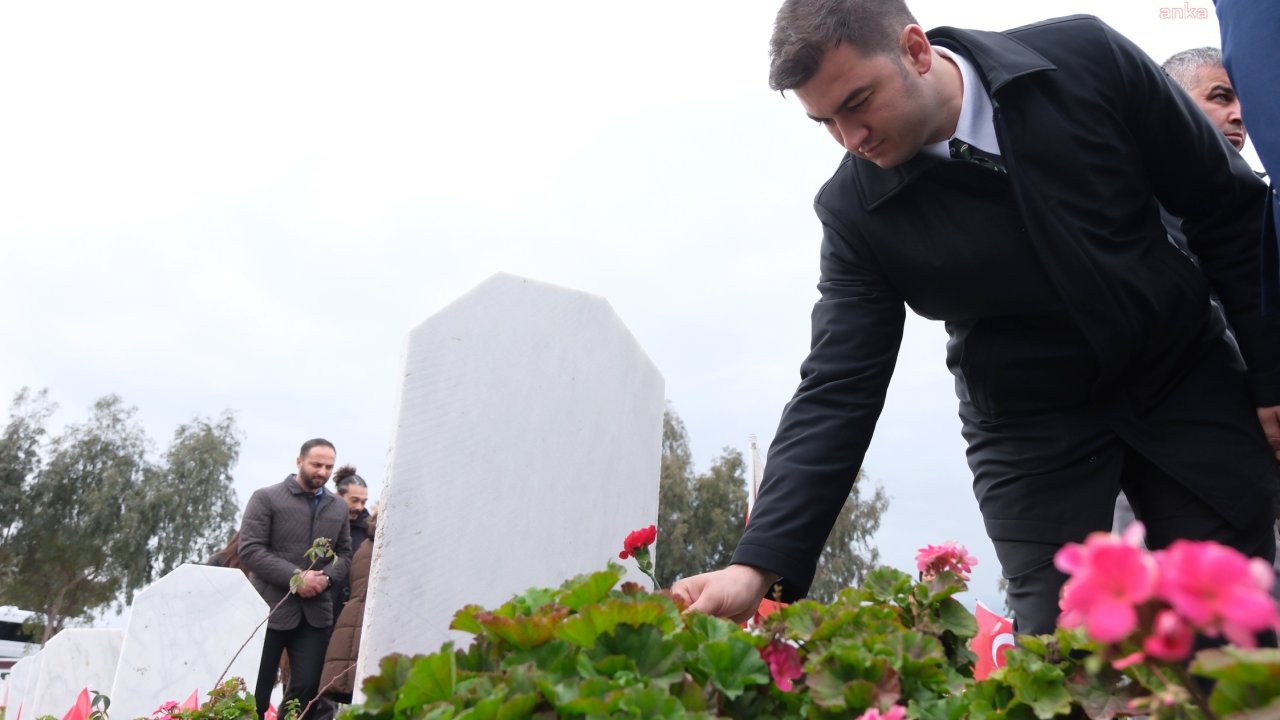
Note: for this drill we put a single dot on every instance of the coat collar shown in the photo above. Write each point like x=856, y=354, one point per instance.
x=291, y=482
x=999, y=58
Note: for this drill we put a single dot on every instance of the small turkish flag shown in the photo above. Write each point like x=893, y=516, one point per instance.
x=995, y=636
x=193, y=702
x=270, y=714
x=82, y=708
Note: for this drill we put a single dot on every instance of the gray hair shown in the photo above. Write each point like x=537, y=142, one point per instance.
x=806, y=29
x=1184, y=66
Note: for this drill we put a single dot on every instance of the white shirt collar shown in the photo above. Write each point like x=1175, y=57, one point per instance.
x=977, y=116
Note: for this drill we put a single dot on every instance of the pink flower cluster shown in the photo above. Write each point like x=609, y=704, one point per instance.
x=897, y=712
x=1193, y=586
x=933, y=560
x=784, y=663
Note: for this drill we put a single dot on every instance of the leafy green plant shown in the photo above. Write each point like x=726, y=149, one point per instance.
x=230, y=700
x=591, y=649
x=894, y=648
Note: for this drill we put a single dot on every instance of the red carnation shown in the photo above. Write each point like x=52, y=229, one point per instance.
x=638, y=540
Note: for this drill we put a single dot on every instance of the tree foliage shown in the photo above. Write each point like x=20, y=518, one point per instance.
x=702, y=516
x=89, y=518
x=849, y=553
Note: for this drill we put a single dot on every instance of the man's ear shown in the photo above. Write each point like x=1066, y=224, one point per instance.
x=914, y=47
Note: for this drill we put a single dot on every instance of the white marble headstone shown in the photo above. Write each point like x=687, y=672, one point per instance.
x=527, y=445
x=21, y=685
x=72, y=660
x=183, y=631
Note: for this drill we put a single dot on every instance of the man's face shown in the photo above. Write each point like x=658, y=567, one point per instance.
x=1212, y=91
x=314, y=467
x=356, y=498
x=877, y=107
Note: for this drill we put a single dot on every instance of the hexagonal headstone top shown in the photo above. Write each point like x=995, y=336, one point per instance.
x=528, y=444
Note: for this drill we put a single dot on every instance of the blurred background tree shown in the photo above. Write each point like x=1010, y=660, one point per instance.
x=702, y=516
x=89, y=518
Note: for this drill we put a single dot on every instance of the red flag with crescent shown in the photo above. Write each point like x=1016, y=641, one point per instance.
x=994, y=638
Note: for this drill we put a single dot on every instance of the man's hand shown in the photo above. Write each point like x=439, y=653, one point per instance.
x=1270, y=419
x=734, y=592
x=314, y=582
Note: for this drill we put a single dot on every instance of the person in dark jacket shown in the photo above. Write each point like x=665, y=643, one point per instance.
x=337, y=681
x=1008, y=185
x=355, y=492
x=281, y=522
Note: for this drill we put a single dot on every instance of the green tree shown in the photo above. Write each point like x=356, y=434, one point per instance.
x=699, y=516
x=849, y=554
x=93, y=518
x=702, y=516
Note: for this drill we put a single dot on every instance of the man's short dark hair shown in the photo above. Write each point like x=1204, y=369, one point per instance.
x=806, y=29
x=315, y=442
x=345, y=477
x=1184, y=66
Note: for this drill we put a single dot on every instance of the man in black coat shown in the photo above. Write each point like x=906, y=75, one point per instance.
x=281, y=522
x=1008, y=184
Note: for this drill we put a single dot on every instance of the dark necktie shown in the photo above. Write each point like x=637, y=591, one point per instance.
x=961, y=150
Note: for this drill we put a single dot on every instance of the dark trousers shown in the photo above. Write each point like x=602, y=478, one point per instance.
x=1165, y=507
x=306, y=646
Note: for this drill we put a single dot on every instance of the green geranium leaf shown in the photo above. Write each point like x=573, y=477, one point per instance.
x=826, y=688
x=532, y=600
x=444, y=712
x=949, y=707
x=802, y=619
x=651, y=656
x=518, y=706
x=956, y=617
x=555, y=658
x=485, y=709
x=1247, y=679
x=592, y=621
x=731, y=665
x=431, y=680
x=465, y=620
x=887, y=585
x=708, y=628
x=381, y=690
x=584, y=698
x=645, y=702
x=1039, y=685
x=522, y=632
x=590, y=588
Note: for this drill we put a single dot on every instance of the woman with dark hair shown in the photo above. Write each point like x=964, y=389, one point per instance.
x=229, y=556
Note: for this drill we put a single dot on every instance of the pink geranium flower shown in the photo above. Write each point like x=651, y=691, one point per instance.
x=1171, y=637
x=1110, y=576
x=168, y=708
x=783, y=662
x=933, y=560
x=897, y=712
x=1217, y=589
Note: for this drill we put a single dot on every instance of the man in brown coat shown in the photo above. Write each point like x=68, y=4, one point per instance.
x=280, y=524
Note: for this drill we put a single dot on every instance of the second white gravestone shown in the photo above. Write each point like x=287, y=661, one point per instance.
x=527, y=446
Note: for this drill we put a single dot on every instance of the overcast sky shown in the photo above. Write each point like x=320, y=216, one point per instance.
x=248, y=205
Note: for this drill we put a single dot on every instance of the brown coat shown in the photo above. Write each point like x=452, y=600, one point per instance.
x=337, y=680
